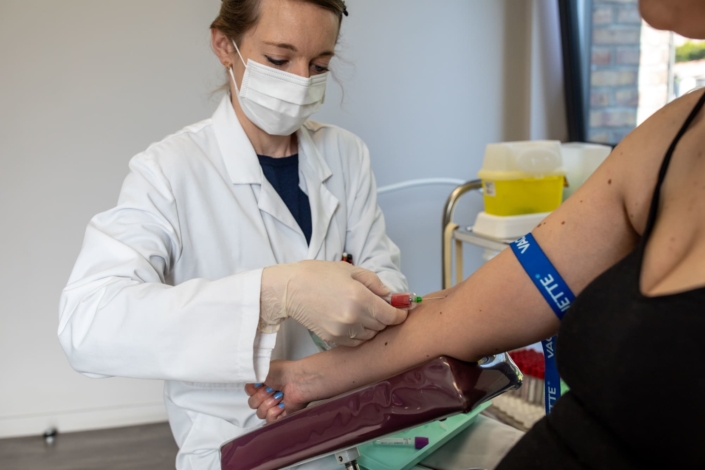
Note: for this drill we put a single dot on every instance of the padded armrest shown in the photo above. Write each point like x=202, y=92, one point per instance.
x=438, y=389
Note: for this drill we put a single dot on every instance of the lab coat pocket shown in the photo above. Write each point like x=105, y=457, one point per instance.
x=201, y=448
x=214, y=386
x=227, y=402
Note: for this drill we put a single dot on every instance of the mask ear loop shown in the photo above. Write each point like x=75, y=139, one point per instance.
x=230, y=69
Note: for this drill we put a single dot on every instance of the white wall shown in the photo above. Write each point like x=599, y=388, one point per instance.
x=84, y=85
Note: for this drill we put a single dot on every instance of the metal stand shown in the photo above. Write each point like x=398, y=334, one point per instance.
x=449, y=227
x=452, y=232
x=348, y=458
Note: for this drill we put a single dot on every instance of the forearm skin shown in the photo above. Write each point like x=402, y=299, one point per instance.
x=497, y=309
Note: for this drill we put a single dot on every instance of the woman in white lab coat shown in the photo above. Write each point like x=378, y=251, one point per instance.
x=199, y=268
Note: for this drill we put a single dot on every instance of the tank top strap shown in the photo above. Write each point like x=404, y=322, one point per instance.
x=656, y=197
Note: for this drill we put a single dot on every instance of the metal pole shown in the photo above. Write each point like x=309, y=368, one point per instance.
x=448, y=219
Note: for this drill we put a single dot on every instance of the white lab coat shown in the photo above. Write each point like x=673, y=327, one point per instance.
x=167, y=284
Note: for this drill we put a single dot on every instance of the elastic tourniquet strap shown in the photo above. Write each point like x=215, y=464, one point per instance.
x=557, y=294
x=544, y=276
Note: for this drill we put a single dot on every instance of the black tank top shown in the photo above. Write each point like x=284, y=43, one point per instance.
x=635, y=366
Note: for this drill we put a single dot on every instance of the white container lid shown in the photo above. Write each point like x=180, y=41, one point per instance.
x=521, y=160
x=508, y=227
x=580, y=161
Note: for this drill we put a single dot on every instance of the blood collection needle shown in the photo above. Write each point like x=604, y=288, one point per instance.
x=407, y=300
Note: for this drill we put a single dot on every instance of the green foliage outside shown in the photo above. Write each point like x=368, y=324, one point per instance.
x=690, y=51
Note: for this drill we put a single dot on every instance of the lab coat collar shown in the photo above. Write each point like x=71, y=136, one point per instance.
x=238, y=154
x=311, y=155
x=240, y=157
x=316, y=172
x=243, y=167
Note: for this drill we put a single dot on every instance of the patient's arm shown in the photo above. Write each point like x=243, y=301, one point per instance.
x=498, y=308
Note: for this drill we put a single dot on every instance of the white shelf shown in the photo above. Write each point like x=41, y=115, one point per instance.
x=466, y=235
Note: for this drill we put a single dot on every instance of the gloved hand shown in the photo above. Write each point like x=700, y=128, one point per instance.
x=340, y=303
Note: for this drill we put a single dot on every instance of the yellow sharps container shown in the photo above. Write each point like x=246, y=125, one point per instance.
x=522, y=177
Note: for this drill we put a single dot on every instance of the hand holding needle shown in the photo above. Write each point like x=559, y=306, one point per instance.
x=407, y=300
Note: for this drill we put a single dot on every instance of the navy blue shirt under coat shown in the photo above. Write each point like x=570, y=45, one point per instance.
x=283, y=175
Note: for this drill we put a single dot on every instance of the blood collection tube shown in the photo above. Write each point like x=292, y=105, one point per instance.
x=404, y=300
x=415, y=442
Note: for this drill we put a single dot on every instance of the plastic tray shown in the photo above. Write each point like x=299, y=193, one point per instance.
x=374, y=457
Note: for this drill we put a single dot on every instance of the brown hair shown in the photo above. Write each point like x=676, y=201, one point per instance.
x=238, y=16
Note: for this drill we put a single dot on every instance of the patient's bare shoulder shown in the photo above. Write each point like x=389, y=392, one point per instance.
x=638, y=158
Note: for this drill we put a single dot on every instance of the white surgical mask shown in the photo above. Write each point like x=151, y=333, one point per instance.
x=278, y=102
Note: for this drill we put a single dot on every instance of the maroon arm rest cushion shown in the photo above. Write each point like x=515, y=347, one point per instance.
x=437, y=389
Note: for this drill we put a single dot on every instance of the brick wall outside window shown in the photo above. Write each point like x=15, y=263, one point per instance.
x=629, y=74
